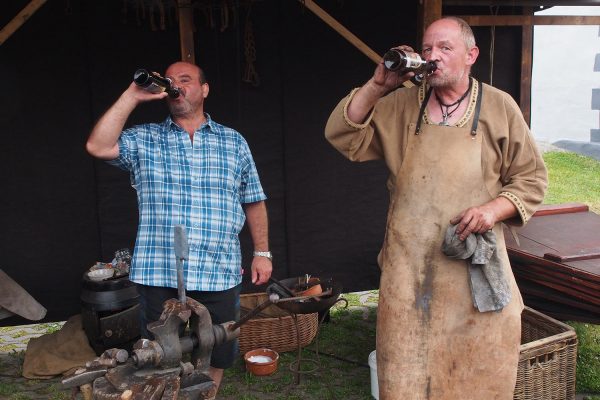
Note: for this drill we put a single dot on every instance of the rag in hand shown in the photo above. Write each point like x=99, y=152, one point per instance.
x=489, y=287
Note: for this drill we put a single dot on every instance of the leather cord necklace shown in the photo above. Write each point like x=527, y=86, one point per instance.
x=446, y=115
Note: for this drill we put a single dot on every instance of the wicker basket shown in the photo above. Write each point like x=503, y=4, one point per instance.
x=274, y=328
x=547, y=359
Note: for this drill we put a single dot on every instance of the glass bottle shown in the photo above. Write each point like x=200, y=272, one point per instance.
x=154, y=83
x=405, y=61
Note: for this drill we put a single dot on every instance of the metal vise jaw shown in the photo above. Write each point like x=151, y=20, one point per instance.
x=167, y=349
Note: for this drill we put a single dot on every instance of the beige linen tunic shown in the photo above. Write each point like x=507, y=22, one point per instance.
x=431, y=341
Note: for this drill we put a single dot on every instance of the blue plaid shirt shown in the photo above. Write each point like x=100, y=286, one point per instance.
x=201, y=186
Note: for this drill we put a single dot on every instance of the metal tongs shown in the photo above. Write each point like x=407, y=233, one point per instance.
x=274, y=298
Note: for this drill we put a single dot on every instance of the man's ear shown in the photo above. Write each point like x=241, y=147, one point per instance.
x=205, y=90
x=472, y=55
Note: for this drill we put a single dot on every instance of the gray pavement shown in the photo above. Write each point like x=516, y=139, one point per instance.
x=589, y=149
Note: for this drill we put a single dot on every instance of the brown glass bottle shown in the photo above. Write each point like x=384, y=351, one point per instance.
x=154, y=83
x=405, y=61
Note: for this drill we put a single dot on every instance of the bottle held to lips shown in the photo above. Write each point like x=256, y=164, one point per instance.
x=405, y=61
x=154, y=83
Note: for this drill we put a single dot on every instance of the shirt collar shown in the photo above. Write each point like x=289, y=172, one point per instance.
x=210, y=124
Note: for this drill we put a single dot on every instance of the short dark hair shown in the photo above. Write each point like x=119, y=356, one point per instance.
x=202, y=75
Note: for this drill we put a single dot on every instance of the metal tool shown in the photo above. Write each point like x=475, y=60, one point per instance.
x=182, y=250
x=282, y=290
x=82, y=376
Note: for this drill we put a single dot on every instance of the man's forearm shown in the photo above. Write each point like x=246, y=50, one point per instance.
x=363, y=102
x=102, y=142
x=258, y=224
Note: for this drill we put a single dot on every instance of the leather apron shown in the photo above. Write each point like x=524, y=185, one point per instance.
x=432, y=344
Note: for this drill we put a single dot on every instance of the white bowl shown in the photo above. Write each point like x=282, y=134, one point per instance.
x=101, y=274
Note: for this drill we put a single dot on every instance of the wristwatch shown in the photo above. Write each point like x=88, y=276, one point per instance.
x=263, y=254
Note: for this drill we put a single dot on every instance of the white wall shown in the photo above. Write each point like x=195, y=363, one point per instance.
x=563, y=77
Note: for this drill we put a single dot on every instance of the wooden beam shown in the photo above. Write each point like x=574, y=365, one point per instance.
x=429, y=11
x=522, y=3
x=518, y=20
x=339, y=28
x=526, y=65
x=186, y=30
x=349, y=36
x=20, y=19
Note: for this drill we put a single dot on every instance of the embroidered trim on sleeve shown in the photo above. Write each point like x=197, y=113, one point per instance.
x=518, y=204
x=347, y=120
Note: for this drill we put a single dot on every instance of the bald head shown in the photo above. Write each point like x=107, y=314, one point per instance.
x=188, y=65
x=465, y=30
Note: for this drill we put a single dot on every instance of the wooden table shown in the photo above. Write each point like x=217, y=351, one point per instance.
x=557, y=262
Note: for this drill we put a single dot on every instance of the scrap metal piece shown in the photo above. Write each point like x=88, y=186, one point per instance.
x=110, y=358
x=197, y=385
x=151, y=388
x=83, y=376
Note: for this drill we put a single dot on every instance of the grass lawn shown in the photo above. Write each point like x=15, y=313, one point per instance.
x=575, y=178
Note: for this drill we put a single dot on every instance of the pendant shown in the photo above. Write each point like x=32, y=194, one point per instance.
x=444, y=121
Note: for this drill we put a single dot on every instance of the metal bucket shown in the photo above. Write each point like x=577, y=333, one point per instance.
x=110, y=313
x=373, y=369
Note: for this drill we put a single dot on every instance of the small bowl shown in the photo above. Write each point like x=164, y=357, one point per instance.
x=101, y=274
x=261, y=362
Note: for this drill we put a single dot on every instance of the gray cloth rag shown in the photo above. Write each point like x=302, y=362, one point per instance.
x=489, y=287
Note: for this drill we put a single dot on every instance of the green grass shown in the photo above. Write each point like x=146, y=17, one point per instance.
x=588, y=357
x=575, y=178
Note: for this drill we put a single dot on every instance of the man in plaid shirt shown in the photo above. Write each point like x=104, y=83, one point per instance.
x=192, y=171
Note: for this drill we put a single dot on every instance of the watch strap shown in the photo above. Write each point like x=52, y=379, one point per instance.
x=266, y=254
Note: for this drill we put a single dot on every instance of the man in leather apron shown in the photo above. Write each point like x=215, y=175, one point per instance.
x=458, y=152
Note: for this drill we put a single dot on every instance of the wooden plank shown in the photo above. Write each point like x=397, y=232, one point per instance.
x=346, y=34
x=560, y=276
x=521, y=20
x=526, y=66
x=339, y=28
x=429, y=11
x=565, y=208
x=186, y=30
x=573, y=257
x=566, y=235
x=20, y=19
x=522, y=3
x=527, y=258
x=560, y=311
x=532, y=288
x=582, y=293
